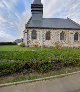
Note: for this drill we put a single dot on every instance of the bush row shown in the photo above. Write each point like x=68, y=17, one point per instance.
x=38, y=60
x=8, y=43
x=7, y=67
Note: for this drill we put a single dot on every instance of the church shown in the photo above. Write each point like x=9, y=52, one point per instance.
x=48, y=32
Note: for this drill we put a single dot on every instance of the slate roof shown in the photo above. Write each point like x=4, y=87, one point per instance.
x=53, y=23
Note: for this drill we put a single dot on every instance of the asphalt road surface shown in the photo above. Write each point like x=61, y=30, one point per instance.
x=65, y=84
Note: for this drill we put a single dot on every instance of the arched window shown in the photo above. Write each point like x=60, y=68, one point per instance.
x=76, y=36
x=34, y=34
x=48, y=34
x=62, y=36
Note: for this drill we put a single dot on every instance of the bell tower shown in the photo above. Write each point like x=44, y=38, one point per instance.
x=37, y=10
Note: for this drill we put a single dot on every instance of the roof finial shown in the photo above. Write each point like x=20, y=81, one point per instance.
x=37, y=2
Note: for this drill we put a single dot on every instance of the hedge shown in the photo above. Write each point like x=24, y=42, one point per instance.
x=38, y=60
x=8, y=43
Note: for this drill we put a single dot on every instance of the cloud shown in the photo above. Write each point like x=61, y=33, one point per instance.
x=24, y=19
x=49, y=7
x=2, y=19
x=6, y=37
x=1, y=5
x=8, y=20
x=9, y=4
x=62, y=8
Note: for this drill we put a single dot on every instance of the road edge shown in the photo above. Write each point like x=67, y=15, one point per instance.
x=40, y=79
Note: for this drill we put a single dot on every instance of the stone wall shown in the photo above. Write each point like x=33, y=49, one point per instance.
x=55, y=38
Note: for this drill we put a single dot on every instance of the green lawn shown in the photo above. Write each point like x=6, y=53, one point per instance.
x=19, y=48
x=13, y=48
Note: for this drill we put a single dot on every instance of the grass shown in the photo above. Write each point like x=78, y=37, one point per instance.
x=12, y=48
x=18, y=48
x=77, y=90
x=35, y=75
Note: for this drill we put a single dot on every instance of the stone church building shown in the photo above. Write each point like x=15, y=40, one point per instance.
x=47, y=32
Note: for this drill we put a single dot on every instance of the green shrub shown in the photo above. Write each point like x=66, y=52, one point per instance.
x=58, y=45
x=42, y=60
x=8, y=43
x=22, y=44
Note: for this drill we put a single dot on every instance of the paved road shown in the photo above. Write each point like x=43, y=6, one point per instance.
x=64, y=84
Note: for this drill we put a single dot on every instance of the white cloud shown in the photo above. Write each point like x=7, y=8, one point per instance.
x=10, y=3
x=2, y=19
x=24, y=19
x=49, y=7
x=6, y=37
x=1, y=4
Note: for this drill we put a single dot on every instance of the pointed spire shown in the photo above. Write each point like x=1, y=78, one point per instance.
x=37, y=2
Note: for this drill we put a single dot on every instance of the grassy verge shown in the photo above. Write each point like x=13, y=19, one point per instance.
x=32, y=76
x=77, y=91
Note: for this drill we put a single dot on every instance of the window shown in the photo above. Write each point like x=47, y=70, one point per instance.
x=62, y=35
x=76, y=36
x=34, y=34
x=48, y=35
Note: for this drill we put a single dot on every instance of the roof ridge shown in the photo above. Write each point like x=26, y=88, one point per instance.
x=53, y=18
x=73, y=22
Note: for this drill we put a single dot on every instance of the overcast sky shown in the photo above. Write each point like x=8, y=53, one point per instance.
x=15, y=13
